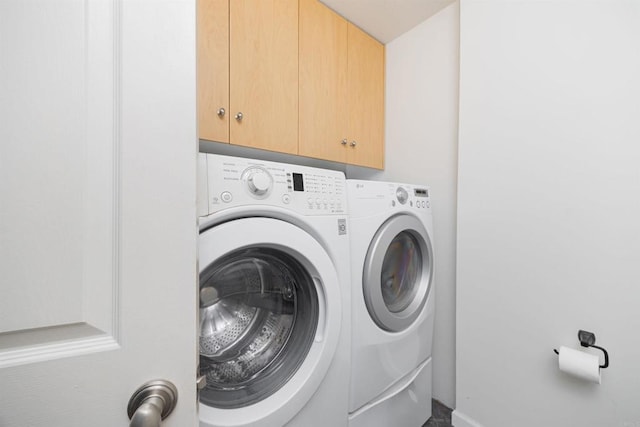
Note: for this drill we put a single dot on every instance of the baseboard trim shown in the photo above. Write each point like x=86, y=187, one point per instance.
x=458, y=419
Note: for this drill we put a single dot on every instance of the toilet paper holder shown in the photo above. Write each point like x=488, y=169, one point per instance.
x=588, y=339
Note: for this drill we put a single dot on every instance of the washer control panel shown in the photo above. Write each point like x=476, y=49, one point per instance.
x=236, y=181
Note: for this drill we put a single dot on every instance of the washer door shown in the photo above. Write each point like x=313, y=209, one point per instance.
x=398, y=271
x=270, y=311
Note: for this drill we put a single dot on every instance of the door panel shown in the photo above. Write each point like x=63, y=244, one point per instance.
x=35, y=194
x=213, y=70
x=97, y=240
x=323, y=82
x=365, y=99
x=264, y=74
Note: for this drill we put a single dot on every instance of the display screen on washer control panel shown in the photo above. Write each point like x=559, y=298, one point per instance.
x=298, y=184
x=421, y=192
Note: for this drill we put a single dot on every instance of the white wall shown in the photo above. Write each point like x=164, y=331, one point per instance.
x=421, y=147
x=549, y=210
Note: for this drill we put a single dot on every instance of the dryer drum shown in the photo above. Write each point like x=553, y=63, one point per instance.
x=258, y=316
x=401, y=269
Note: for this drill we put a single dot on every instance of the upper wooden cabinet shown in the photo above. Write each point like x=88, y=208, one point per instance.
x=341, y=89
x=213, y=69
x=365, y=99
x=290, y=76
x=248, y=73
x=263, y=61
x=323, y=83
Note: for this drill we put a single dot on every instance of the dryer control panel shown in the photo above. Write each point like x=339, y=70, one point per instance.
x=373, y=196
x=226, y=181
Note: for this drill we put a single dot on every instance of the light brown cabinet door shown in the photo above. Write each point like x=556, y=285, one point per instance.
x=323, y=82
x=365, y=99
x=263, y=59
x=213, y=69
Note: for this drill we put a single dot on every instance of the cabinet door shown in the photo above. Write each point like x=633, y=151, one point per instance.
x=264, y=74
x=213, y=70
x=365, y=99
x=323, y=82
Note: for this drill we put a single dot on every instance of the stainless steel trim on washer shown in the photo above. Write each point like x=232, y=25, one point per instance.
x=372, y=273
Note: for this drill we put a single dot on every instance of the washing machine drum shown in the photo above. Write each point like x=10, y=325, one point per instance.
x=258, y=317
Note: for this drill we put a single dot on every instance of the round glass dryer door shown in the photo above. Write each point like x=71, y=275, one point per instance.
x=398, y=271
x=258, y=317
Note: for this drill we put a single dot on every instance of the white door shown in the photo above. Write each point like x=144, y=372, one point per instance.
x=97, y=209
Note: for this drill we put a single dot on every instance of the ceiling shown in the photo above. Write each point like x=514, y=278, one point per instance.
x=386, y=19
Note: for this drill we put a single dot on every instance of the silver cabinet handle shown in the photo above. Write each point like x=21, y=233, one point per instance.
x=239, y=117
x=353, y=143
x=344, y=141
x=221, y=112
x=152, y=403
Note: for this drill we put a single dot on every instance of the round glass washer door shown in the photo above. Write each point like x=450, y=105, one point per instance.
x=270, y=314
x=258, y=317
x=398, y=271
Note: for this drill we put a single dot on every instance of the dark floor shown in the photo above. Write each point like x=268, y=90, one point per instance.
x=440, y=415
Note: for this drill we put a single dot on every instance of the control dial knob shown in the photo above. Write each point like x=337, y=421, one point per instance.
x=258, y=181
x=402, y=195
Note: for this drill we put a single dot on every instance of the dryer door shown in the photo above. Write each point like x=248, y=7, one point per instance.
x=270, y=311
x=398, y=271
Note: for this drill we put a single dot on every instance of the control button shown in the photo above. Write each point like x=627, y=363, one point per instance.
x=428, y=204
x=258, y=181
x=318, y=201
x=325, y=201
x=424, y=204
x=286, y=199
x=310, y=200
x=402, y=195
x=226, y=196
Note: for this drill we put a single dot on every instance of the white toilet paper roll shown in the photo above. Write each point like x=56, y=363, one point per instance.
x=579, y=364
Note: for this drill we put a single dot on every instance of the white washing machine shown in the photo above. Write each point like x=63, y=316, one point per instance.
x=274, y=294
x=392, y=304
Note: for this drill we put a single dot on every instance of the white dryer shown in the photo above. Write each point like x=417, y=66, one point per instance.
x=274, y=294
x=392, y=304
